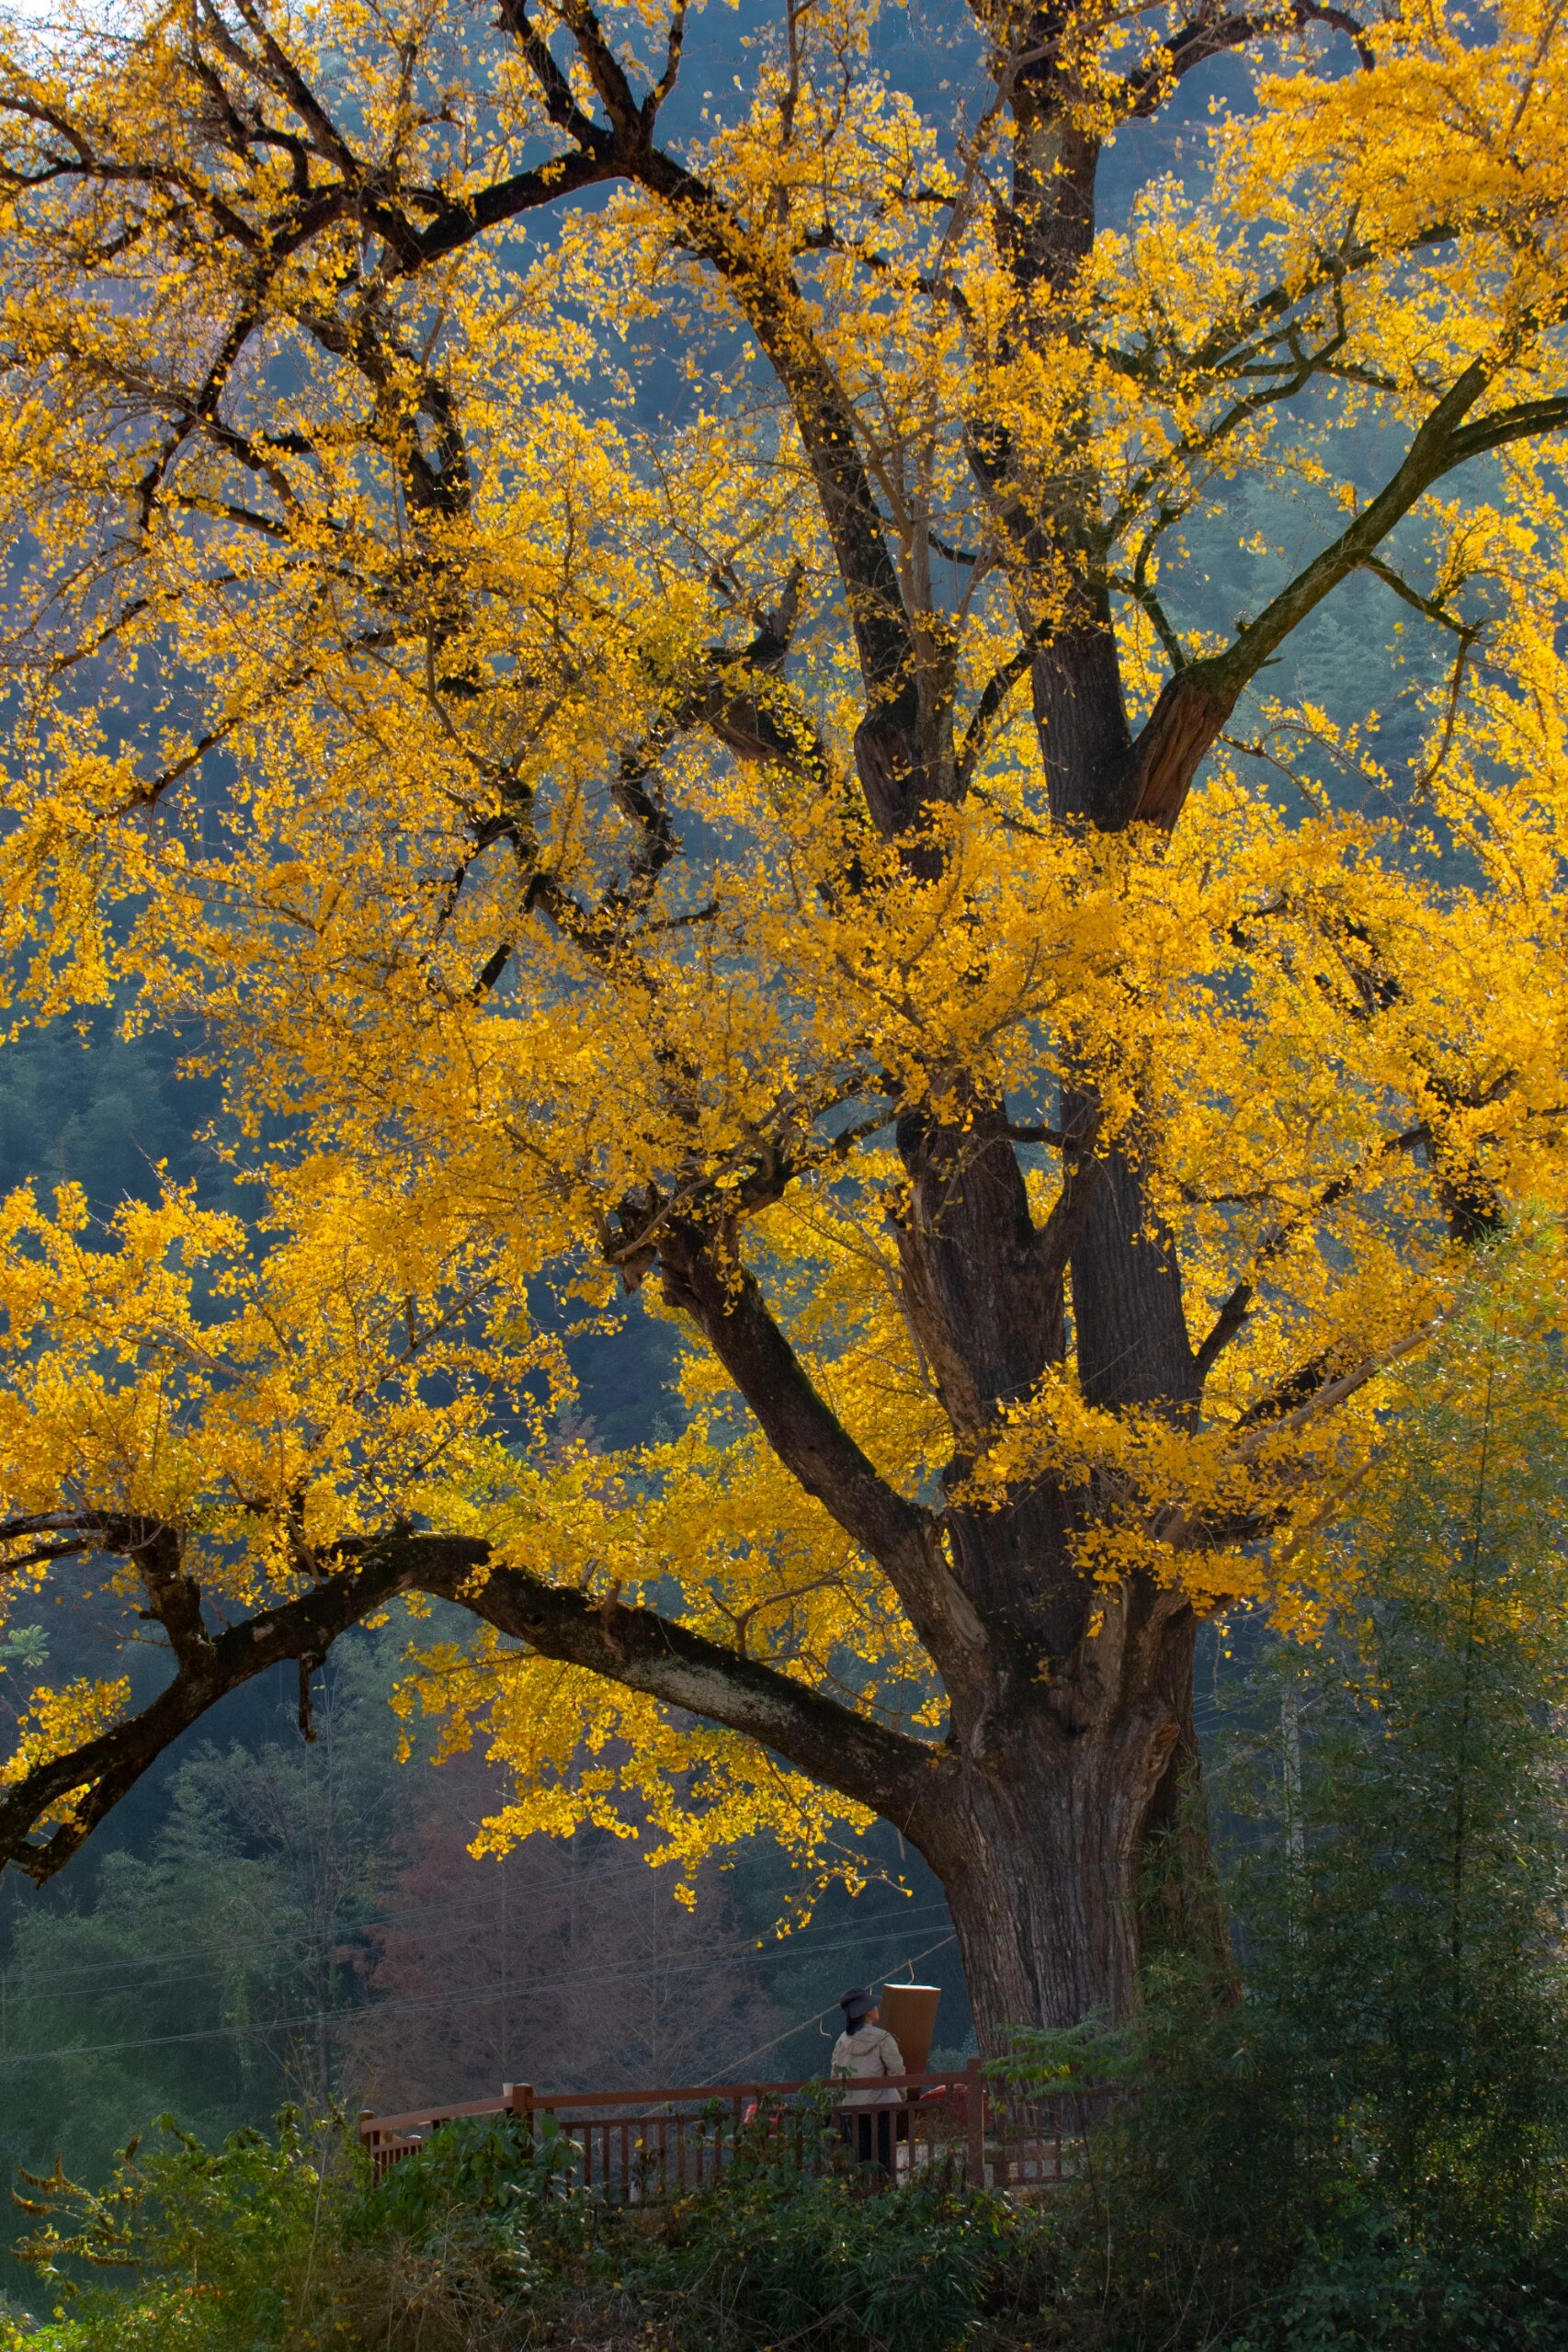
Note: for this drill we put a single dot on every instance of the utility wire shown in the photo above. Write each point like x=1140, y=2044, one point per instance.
x=911, y=1959
x=405, y=2004
x=173, y=1955
x=16, y=1984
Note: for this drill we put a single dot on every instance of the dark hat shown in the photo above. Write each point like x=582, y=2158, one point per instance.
x=857, y=2004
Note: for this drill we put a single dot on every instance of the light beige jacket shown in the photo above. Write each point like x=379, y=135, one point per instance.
x=868, y=2053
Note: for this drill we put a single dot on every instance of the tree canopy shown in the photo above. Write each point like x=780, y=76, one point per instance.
x=651, y=682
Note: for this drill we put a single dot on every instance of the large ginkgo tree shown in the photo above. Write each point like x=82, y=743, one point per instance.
x=717, y=704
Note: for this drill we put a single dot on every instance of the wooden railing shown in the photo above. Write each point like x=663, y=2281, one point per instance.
x=627, y=2147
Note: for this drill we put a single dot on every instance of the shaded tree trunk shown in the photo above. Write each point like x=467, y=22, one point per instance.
x=1072, y=1730
x=1040, y=1862
x=1072, y=1736
x=1043, y=1845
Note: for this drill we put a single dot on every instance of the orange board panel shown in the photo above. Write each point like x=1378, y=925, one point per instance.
x=909, y=2013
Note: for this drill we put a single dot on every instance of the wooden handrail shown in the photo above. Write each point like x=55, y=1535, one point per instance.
x=431, y=2116
x=646, y=2102
x=631, y=2138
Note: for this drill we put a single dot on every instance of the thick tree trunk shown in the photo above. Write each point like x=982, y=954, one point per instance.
x=1047, y=1841
x=1072, y=1733
x=1069, y=1701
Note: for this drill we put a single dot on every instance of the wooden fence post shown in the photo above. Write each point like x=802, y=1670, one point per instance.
x=975, y=2117
x=518, y=2098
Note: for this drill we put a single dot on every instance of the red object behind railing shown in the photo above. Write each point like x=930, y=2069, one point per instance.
x=636, y=2146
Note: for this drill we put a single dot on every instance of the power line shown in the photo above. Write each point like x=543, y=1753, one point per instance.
x=18, y=1984
x=911, y=1959
x=399, y=2006
x=173, y=1954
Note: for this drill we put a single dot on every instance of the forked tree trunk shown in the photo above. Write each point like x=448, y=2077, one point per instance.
x=1072, y=1734
x=1071, y=1737
x=1076, y=1830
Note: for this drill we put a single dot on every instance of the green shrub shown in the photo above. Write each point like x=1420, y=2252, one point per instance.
x=1184, y=2203
x=779, y=2252
x=500, y=2192
x=224, y=2250
x=284, y=2244
x=479, y=2240
x=1372, y=2291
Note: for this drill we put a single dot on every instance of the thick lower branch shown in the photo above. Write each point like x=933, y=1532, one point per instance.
x=106, y=1768
x=887, y=1770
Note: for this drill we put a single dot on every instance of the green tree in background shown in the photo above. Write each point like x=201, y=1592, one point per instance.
x=1408, y=1922
x=1370, y=2148
x=98, y=1109
x=204, y=1974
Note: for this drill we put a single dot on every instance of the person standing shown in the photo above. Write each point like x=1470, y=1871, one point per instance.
x=866, y=2054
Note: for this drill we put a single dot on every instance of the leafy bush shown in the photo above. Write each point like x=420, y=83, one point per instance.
x=228, y=2250
x=284, y=2244
x=1372, y=2291
x=1186, y=2196
x=776, y=2251
x=487, y=2188
x=478, y=2241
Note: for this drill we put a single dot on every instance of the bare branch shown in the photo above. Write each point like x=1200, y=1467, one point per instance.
x=1211, y=36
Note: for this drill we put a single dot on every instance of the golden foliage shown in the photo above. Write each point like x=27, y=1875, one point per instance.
x=437, y=692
